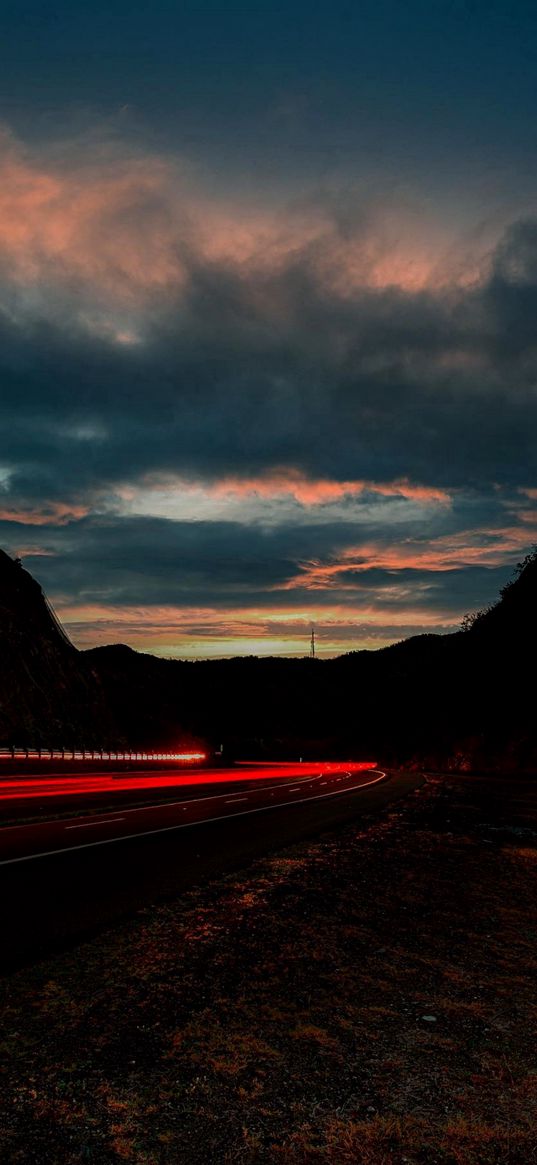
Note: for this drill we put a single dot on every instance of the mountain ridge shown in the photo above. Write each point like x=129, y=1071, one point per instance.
x=457, y=700
x=49, y=696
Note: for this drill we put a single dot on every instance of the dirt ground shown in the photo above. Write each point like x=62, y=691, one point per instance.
x=368, y=998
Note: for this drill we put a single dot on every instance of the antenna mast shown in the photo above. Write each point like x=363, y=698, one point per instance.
x=312, y=648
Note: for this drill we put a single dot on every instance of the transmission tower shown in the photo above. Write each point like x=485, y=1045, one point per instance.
x=312, y=647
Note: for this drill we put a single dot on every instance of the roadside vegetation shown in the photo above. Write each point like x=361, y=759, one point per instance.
x=367, y=998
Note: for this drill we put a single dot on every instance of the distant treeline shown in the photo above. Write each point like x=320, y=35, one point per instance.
x=462, y=699
x=459, y=700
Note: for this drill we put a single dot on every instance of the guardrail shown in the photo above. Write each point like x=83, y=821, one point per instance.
x=48, y=754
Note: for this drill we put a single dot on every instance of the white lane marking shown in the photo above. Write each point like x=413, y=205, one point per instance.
x=151, y=808
x=296, y=789
x=233, y=801
x=89, y=824
x=195, y=800
x=188, y=824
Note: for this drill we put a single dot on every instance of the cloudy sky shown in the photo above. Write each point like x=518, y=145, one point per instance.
x=268, y=315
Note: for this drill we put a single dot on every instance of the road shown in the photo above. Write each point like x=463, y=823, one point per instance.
x=81, y=784
x=281, y=787
x=62, y=881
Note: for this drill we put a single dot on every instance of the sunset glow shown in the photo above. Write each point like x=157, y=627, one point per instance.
x=251, y=389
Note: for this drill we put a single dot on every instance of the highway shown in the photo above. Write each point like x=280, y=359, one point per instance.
x=81, y=784
x=67, y=875
x=279, y=787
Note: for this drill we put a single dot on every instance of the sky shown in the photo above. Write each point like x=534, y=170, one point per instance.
x=268, y=301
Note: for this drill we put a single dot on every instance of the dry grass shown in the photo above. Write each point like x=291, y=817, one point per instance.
x=383, y=1140
x=367, y=999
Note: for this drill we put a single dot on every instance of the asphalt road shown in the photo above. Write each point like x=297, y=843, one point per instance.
x=64, y=881
x=280, y=787
x=31, y=796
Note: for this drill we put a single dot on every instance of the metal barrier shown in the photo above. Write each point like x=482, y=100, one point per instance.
x=95, y=755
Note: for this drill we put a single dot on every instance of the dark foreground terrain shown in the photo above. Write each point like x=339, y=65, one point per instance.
x=366, y=998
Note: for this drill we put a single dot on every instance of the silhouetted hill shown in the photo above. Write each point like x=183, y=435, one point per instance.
x=458, y=700
x=513, y=619
x=48, y=694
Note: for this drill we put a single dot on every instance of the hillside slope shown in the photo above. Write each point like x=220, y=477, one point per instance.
x=458, y=700
x=49, y=695
x=462, y=700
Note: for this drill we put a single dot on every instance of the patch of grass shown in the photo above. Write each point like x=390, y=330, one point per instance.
x=279, y=1015
x=386, y=1140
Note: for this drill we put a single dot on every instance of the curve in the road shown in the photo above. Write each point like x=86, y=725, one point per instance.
x=23, y=843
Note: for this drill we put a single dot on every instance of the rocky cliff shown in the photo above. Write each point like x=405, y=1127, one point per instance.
x=49, y=694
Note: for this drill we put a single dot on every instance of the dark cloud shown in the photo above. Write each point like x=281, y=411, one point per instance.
x=246, y=372
x=305, y=276
x=260, y=88
x=128, y=562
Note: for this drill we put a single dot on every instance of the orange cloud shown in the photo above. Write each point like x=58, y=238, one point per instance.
x=49, y=514
x=287, y=482
x=124, y=225
x=310, y=492
x=33, y=552
x=98, y=222
x=200, y=632
x=449, y=552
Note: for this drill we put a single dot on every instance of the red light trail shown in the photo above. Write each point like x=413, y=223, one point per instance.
x=71, y=784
